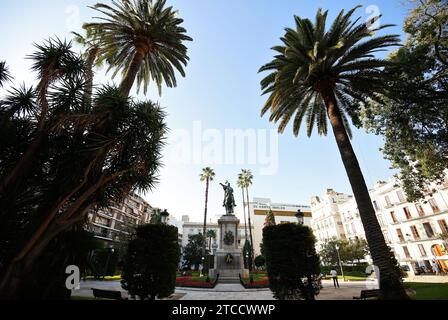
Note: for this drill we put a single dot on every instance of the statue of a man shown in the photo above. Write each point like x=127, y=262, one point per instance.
x=229, y=200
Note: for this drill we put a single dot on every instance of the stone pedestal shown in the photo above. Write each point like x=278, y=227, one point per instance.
x=229, y=260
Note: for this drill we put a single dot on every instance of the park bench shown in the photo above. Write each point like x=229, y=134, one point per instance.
x=107, y=294
x=365, y=294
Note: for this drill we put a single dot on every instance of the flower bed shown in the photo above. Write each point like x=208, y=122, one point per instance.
x=194, y=282
x=260, y=283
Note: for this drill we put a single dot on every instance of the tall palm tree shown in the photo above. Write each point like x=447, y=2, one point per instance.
x=320, y=73
x=241, y=184
x=207, y=175
x=247, y=178
x=143, y=39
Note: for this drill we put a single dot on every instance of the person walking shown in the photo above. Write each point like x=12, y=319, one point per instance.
x=334, y=275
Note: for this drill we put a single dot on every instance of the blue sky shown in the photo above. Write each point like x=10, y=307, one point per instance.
x=232, y=39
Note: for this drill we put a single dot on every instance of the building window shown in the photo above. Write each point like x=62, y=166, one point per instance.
x=428, y=229
x=407, y=213
x=394, y=218
x=420, y=210
x=401, y=196
x=388, y=203
x=415, y=233
x=443, y=226
x=406, y=252
x=434, y=206
x=422, y=250
x=400, y=235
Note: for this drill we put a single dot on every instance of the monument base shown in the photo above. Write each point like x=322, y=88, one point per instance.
x=229, y=271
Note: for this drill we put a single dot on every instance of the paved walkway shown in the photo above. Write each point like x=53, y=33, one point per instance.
x=235, y=292
x=230, y=291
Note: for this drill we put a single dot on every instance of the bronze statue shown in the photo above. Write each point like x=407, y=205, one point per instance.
x=229, y=200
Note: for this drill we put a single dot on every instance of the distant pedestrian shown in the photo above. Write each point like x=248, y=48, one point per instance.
x=435, y=267
x=334, y=275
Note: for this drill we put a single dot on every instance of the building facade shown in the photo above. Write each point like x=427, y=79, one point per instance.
x=190, y=228
x=326, y=216
x=412, y=229
x=283, y=213
x=114, y=225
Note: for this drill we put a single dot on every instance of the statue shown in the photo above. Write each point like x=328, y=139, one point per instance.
x=229, y=200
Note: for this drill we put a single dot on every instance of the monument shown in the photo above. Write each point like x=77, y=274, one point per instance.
x=229, y=260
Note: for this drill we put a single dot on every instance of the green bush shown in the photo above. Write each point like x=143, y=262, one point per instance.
x=291, y=260
x=150, y=265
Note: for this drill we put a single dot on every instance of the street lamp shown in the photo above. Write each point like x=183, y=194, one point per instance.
x=164, y=216
x=339, y=259
x=299, y=215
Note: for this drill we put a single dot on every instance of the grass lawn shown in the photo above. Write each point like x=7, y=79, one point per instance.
x=349, y=278
x=111, y=278
x=429, y=291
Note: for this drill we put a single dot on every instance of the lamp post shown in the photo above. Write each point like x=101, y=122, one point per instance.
x=164, y=217
x=339, y=259
x=299, y=215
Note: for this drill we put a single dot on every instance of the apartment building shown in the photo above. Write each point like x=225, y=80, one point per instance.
x=115, y=224
x=412, y=229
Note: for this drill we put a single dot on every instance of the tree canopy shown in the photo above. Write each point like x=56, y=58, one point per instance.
x=411, y=113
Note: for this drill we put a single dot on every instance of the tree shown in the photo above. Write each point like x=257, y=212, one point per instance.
x=412, y=114
x=246, y=179
x=357, y=250
x=270, y=219
x=151, y=261
x=291, y=261
x=193, y=250
x=143, y=39
x=320, y=73
x=207, y=175
x=84, y=155
x=247, y=254
x=329, y=254
x=46, y=280
x=241, y=184
x=4, y=74
x=260, y=262
x=211, y=234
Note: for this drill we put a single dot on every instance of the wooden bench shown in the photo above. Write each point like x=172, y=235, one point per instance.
x=107, y=294
x=365, y=294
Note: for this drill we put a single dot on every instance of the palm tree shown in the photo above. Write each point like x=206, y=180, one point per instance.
x=4, y=73
x=143, y=39
x=247, y=178
x=211, y=234
x=320, y=73
x=241, y=184
x=207, y=175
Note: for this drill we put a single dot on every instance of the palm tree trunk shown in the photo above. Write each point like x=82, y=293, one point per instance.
x=90, y=61
x=131, y=73
x=205, y=217
x=251, y=262
x=390, y=284
x=244, y=211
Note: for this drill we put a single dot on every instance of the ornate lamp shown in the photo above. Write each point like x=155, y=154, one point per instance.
x=164, y=216
x=299, y=215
